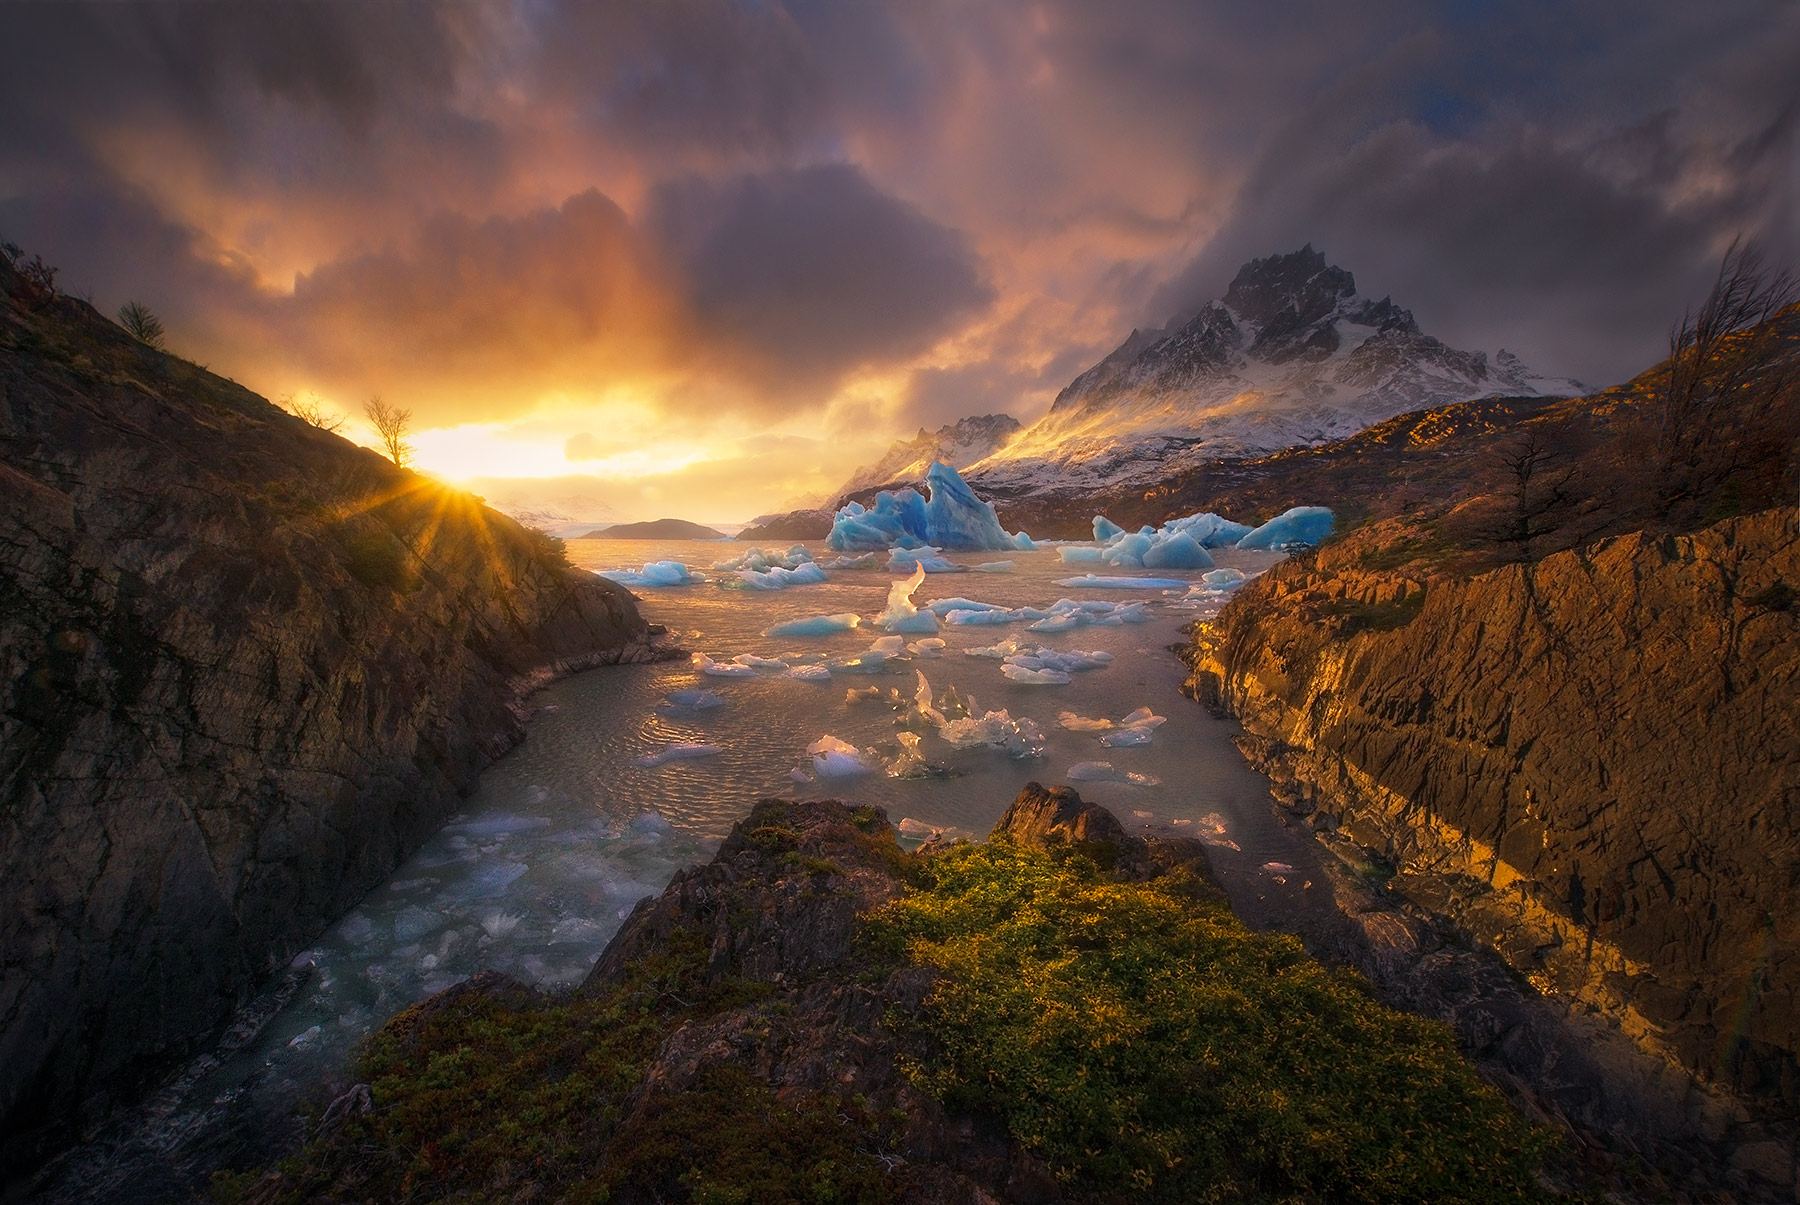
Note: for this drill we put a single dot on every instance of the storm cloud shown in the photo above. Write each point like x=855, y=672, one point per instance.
x=841, y=222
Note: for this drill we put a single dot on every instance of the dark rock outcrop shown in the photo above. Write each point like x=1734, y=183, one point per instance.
x=245, y=667
x=1591, y=763
x=655, y=529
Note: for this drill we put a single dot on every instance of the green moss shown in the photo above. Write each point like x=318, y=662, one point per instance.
x=1147, y=1045
x=1353, y=617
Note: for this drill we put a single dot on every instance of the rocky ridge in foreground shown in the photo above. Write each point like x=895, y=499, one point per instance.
x=247, y=667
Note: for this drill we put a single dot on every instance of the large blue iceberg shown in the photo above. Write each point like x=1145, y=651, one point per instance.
x=1301, y=525
x=953, y=518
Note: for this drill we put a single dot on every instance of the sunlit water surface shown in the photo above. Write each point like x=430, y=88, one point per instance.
x=563, y=836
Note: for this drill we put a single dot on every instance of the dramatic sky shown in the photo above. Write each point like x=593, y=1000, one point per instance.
x=697, y=257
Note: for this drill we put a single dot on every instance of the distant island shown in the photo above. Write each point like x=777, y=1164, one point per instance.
x=656, y=529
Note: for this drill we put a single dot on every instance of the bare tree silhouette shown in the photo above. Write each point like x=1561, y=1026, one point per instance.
x=391, y=423
x=143, y=325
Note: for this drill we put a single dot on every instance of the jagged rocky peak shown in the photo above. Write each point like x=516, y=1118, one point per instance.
x=957, y=444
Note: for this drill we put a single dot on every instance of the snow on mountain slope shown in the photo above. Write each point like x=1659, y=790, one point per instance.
x=1291, y=355
x=958, y=444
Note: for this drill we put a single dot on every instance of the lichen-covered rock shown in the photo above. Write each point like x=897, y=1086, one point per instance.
x=1592, y=763
x=245, y=667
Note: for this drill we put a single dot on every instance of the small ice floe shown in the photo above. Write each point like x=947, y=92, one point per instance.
x=1020, y=738
x=304, y=1038
x=868, y=560
x=414, y=922
x=1299, y=526
x=998, y=652
x=694, y=700
x=1026, y=676
x=1081, y=723
x=911, y=763
x=763, y=559
x=816, y=625
x=721, y=669
x=679, y=751
x=1102, y=771
x=810, y=673
x=901, y=615
x=1224, y=579
x=929, y=647
x=777, y=578
x=923, y=559
x=1090, y=581
x=755, y=662
x=922, y=715
x=833, y=758
x=943, y=606
x=1278, y=867
x=1145, y=815
x=656, y=573
x=356, y=929
x=981, y=618
x=995, y=567
x=1080, y=554
x=1210, y=828
x=490, y=880
x=861, y=694
x=498, y=924
x=1138, y=728
x=917, y=830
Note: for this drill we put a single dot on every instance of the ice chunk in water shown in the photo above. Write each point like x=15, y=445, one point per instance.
x=1299, y=525
x=721, y=669
x=1035, y=677
x=996, y=729
x=868, y=560
x=679, y=751
x=764, y=559
x=656, y=573
x=1080, y=554
x=966, y=619
x=695, y=700
x=810, y=673
x=1089, y=581
x=1179, y=551
x=493, y=878
x=833, y=758
x=943, y=606
x=1143, y=717
x=1209, y=530
x=356, y=929
x=1105, y=530
x=911, y=762
x=1123, y=738
x=929, y=647
x=414, y=922
x=956, y=518
x=917, y=830
x=995, y=567
x=897, y=516
x=1079, y=723
x=953, y=518
x=755, y=662
x=649, y=823
x=926, y=558
x=1223, y=579
x=816, y=625
x=1102, y=771
x=901, y=615
x=861, y=694
x=777, y=578
x=997, y=652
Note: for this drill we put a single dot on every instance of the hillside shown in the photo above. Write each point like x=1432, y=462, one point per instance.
x=247, y=667
x=655, y=529
x=1548, y=681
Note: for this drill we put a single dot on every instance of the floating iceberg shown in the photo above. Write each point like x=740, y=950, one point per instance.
x=1102, y=771
x=901, y=615
x=868, y=560
x=778, y=578
x=966, y=619
x=1090, y=581
x=1300, y=525
x=1105, y=530
x=943, y=606
x=1072, y=661
x=755, y=662
x=679, y=751
x=1020, y=738
x=1026, y=676
x=1179, y=551
x=924, y=557
x=1224, y=579
x=1081, y=554
x=816, y=625
x=721, y=669
x=656, y=573
x=810, y=673
x=833, y=758
x=764, y=559
x=953, y=518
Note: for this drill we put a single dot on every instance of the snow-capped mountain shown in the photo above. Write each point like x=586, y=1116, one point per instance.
x=957, y=444
x=1292, y=355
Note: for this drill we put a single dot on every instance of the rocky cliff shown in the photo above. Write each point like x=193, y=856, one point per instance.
x=245, y=667
x=1591, y=762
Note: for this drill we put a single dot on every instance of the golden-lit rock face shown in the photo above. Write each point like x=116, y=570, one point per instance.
x=1588, y=761
x=248, y=666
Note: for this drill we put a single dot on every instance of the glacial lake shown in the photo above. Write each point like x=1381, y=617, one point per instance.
x=568, y=832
